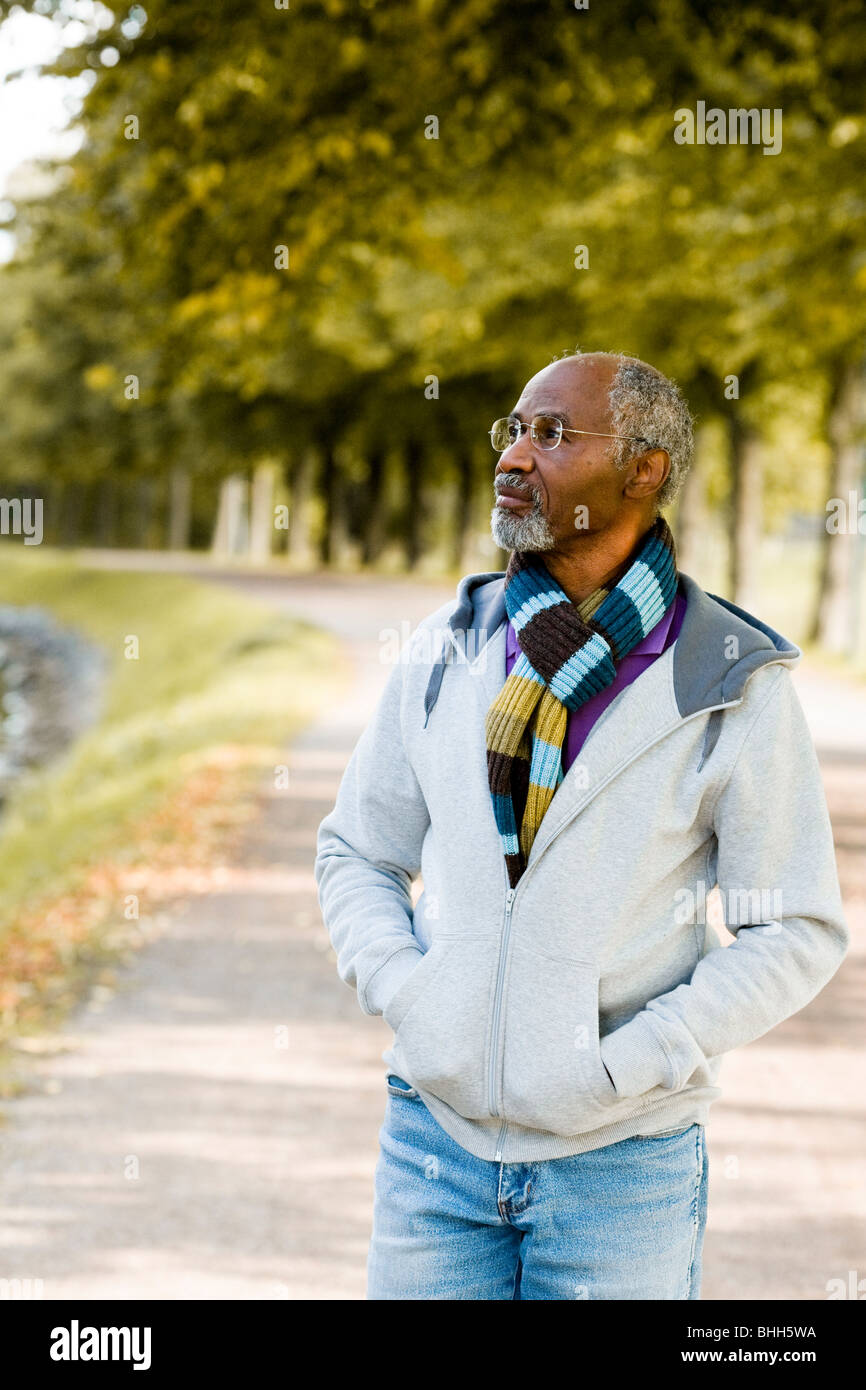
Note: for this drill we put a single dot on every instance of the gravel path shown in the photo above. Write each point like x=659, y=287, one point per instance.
x=208, y=1129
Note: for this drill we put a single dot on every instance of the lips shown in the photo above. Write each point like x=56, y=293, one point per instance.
x=513, y=500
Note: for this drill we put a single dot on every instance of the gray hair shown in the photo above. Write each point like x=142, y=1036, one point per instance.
x=645, y=403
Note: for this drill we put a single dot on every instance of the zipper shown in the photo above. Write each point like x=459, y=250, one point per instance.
x=497, y=1002
x=509, y=905
x=497, y=1157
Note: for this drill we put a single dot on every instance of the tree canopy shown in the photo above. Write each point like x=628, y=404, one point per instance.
x=283, y=222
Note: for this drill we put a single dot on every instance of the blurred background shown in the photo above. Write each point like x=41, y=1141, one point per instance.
x=269, y=272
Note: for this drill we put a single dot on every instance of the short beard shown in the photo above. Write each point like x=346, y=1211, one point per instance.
x=531, y=533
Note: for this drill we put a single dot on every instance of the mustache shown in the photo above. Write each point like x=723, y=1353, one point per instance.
x=515, y=481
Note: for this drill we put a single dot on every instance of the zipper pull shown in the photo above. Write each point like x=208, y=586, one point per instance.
x=509, y=898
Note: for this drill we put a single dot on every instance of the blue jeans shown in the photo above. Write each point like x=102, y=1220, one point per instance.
x=621, y=1222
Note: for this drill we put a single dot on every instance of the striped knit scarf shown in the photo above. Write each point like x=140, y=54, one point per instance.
x=568, y=653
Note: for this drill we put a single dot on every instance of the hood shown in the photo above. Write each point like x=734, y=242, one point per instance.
x=719, y=645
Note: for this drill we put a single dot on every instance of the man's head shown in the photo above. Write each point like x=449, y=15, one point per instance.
x=548, y=500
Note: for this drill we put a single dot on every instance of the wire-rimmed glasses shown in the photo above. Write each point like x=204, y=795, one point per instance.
x=544, y=430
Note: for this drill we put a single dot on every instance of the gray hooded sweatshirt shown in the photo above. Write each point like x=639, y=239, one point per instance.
x=594, y=1001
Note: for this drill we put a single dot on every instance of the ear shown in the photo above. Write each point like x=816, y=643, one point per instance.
x=647, y=473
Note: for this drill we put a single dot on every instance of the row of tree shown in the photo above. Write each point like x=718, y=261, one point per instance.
x=335, y=239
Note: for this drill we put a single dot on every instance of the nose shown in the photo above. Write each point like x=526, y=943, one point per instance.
x=518, y=456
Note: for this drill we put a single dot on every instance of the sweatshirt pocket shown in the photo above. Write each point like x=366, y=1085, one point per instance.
x=440, y=1017
x=553, y=1077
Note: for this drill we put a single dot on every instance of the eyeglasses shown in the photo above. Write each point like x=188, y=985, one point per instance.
x=544, y=430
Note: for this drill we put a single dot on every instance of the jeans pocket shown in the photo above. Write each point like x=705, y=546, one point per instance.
x=396, y=1086
x=553, y=1075
x=667, y=1133
x=442, y=1012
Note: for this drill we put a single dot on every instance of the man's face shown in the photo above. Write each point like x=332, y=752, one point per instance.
x=548, y=499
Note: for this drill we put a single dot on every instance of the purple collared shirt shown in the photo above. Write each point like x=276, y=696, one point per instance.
x=580, y=721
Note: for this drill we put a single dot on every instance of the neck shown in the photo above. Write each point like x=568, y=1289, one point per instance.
x=597, y=559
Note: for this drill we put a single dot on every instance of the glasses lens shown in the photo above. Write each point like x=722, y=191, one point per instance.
x=503, y=434
x=546, y=431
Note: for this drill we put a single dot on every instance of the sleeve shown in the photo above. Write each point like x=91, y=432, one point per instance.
x=368, y=851
x=773, y=848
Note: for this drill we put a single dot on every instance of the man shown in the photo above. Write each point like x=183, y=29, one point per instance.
x=572, y=755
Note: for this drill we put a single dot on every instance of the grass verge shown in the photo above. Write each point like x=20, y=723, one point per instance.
x=157, y=789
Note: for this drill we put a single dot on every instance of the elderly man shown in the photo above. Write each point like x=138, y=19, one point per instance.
x=612, y=743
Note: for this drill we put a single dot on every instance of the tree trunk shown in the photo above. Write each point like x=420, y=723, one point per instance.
x=464, y=508
x=413, y=459
x=480, y=550
x=144, y=512
x=834, y=610
x=179, y=509
x=51, y=493
x=691, y=516
x=106, y=512
x=230, y=531
x=328, y=494
x=374, y=527
x=300, y=479
x=71, y=505
x=746, y=513
x=262, y=512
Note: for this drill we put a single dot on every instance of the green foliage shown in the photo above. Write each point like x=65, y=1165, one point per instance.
x=215, y=671
x=261, y=128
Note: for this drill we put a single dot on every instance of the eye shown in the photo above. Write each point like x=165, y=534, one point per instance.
x=547, y=429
